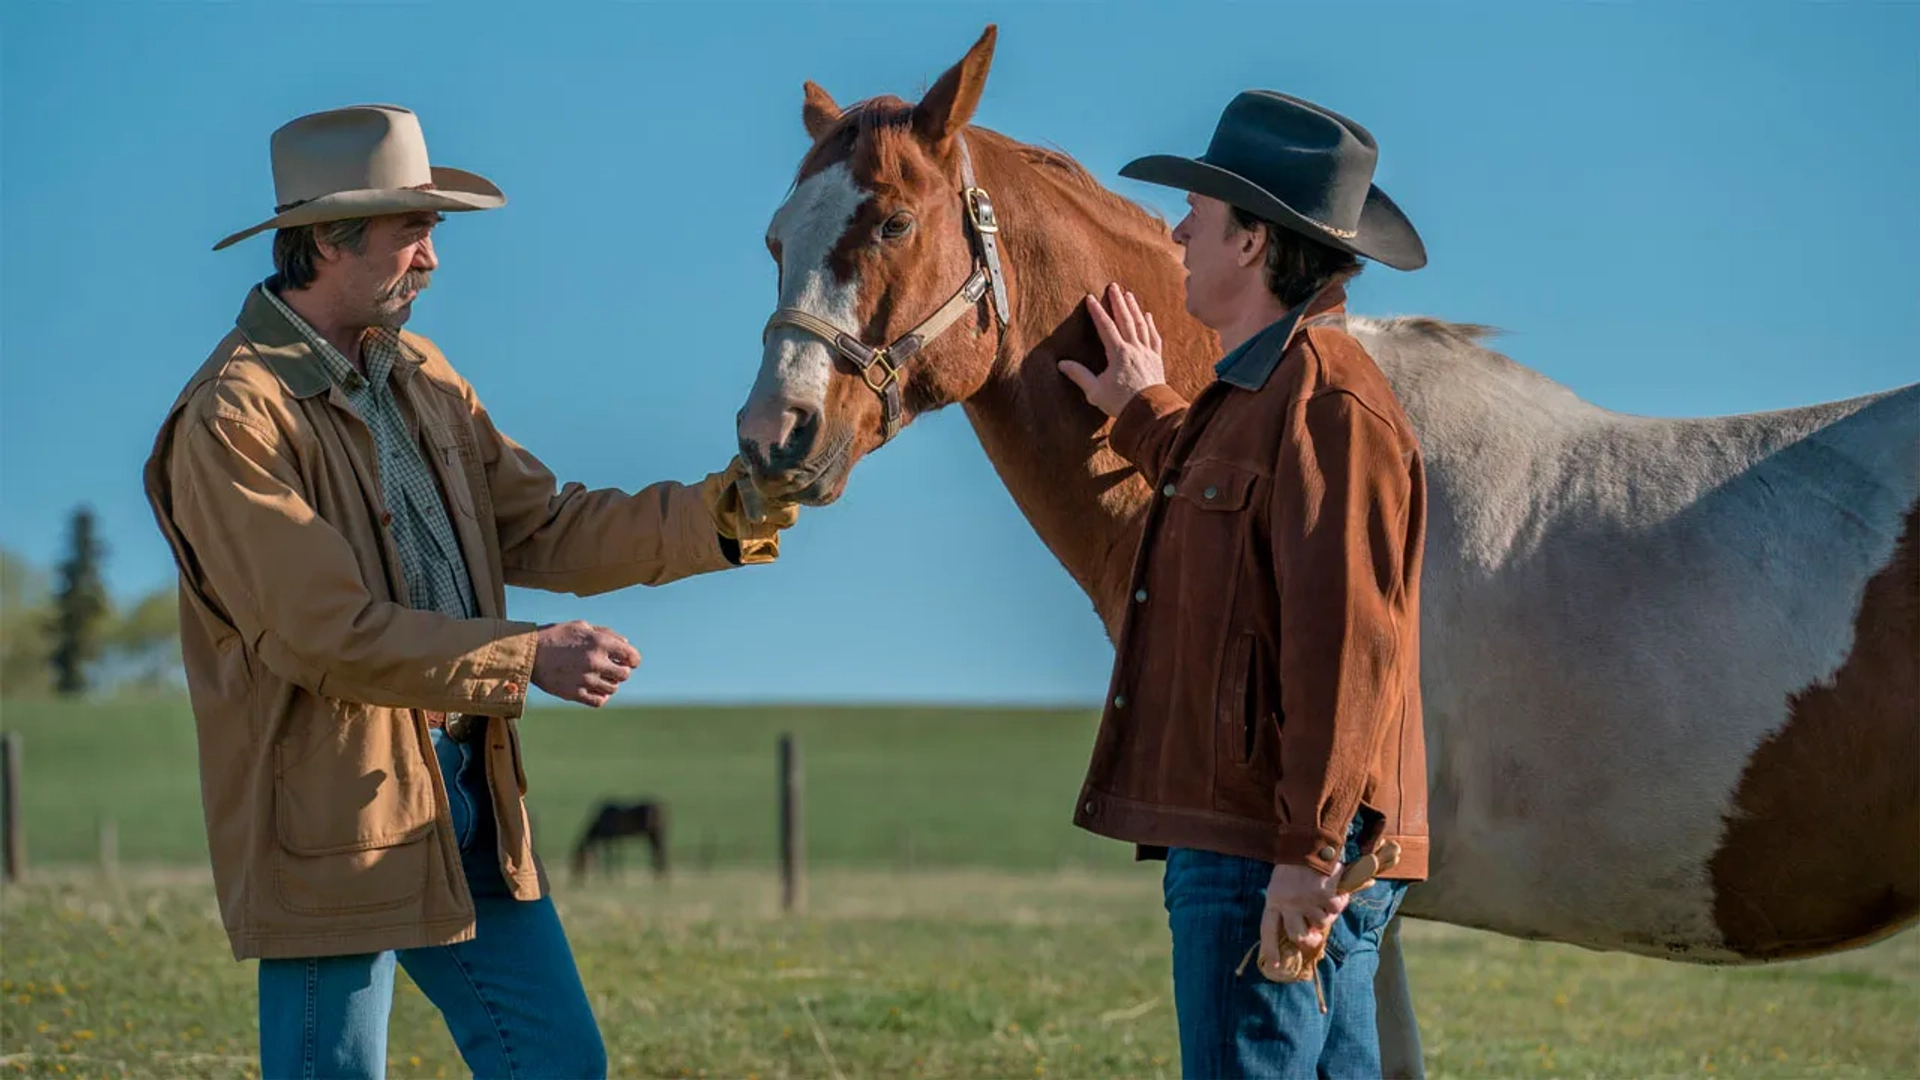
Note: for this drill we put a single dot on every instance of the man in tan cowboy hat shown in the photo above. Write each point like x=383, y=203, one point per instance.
x=346, y=518
x=1263, y=729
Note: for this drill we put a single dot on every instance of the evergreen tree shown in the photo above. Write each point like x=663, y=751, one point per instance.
x=79, y=606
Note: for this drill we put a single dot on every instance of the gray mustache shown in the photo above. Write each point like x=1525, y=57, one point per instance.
x=412, y=281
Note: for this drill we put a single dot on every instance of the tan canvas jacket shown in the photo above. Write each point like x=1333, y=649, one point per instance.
x=1266, y=680
x=327, y=821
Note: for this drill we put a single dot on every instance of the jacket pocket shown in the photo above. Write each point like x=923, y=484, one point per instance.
x=350, y=779
x=1233, y=702
x=1219, y=486
x=1245, y=733
x=375, y=879
x=454, y=448
x=353, y=811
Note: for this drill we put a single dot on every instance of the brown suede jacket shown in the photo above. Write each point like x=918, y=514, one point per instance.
x=1266, y=680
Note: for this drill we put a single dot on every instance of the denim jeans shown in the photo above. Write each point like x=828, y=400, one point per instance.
x=511, y=997
x=1242, y=1025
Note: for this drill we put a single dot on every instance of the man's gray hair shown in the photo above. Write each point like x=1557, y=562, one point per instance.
x=296, y=250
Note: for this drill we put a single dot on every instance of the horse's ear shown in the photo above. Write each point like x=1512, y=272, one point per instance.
x=949, y=105
x=819, y=113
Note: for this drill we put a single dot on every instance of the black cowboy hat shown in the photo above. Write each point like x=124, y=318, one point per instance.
x=1300, y=166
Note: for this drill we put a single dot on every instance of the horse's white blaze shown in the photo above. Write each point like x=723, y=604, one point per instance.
x=1588, y=721
x=795, y=367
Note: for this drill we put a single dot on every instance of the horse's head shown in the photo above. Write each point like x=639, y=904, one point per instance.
x=876, y=240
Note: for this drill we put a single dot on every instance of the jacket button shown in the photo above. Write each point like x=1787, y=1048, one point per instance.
x=1328, y=853
x=1088, y=806
x=1168, y=491
x=1140, y=596
x=1119, y=701
x=1210, y=493
x=386, y=518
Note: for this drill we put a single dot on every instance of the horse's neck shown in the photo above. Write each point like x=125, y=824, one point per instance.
x=1048, y=445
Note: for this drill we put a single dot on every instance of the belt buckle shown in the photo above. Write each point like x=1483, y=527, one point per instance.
x=459, y=727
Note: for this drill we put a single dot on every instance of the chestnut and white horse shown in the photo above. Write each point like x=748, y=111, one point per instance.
x=1671, y=667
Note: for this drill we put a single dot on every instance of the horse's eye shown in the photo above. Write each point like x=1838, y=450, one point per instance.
x=897, y=226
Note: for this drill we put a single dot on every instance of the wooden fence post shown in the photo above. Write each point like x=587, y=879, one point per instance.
x=13, y=861
x=109, y=848
x=793, y=853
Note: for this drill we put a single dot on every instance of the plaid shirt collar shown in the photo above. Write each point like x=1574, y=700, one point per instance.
x=381, y=346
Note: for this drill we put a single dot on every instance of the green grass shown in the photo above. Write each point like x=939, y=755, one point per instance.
x=960, y=925
x=897, y=788
x=932, y=973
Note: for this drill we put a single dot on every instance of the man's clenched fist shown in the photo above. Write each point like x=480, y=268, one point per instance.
x=577, y=661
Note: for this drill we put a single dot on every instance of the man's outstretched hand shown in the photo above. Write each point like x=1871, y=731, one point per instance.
x=577, y=661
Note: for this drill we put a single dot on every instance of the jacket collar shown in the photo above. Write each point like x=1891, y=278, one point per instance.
x=288, y=353
x=1251, y=364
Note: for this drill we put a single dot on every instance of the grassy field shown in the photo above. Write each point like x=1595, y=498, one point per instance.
x=892, y=788
x=926, y=974
x=959, y=926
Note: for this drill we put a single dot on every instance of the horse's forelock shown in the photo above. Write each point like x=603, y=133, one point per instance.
x=858, y=127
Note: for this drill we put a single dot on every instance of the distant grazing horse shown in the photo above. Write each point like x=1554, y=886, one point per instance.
x=1672, y=704
x=615, y=822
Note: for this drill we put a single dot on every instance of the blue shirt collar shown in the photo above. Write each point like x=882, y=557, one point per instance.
x=1253, y=361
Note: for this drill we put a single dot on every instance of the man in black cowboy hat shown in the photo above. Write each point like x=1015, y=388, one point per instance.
x=1263, y=728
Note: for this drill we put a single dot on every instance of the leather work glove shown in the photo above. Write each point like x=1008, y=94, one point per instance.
x=1291, y=963
x=742, y=514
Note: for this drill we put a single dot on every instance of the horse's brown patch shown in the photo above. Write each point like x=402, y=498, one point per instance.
x=1823, y=847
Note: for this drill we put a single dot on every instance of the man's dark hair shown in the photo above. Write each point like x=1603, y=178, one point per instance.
x=296, y=250
x=1297, y=267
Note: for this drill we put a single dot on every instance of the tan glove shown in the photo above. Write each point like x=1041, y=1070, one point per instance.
x=1295, y=964
x=742, y=514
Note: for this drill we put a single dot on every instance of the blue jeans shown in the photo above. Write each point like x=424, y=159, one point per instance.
x=1234, y=1026
x=511, y=997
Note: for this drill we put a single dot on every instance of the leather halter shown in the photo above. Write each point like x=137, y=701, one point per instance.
x=879, y=365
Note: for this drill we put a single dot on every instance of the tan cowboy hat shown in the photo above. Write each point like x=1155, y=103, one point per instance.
x=361, y=161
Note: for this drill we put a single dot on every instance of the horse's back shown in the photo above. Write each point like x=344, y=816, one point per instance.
x=1664, y=660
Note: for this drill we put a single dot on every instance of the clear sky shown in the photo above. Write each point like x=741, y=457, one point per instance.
x=1674, y=209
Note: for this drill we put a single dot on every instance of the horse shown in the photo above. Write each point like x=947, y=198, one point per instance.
x=1671, y=668
x=616, y=821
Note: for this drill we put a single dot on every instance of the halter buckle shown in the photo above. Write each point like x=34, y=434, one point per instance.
x=980, y=210
x=884, y=360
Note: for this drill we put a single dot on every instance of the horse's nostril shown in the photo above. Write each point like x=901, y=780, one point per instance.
x=794, y=425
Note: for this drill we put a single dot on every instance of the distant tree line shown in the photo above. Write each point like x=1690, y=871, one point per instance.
x=63, y=634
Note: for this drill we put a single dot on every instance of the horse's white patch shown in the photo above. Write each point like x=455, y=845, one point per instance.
x=795, y=367
x=1615, y=612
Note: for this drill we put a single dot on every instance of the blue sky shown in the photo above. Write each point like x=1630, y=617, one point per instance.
x=1673, y=209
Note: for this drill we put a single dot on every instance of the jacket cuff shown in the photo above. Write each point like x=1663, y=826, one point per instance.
x=1314, y=847
x=1139, y=418
x=754, y=550
x=503, y=678
x=698, y=547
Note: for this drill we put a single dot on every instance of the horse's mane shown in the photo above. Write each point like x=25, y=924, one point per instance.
x=1438, y=331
